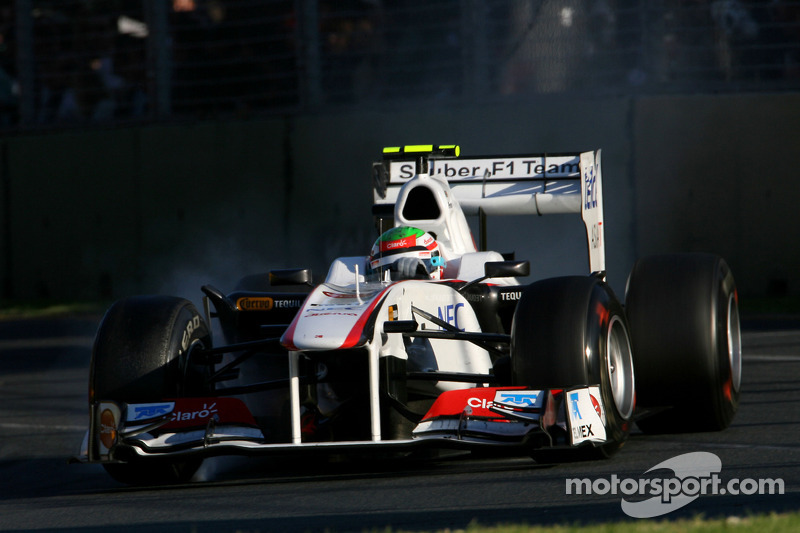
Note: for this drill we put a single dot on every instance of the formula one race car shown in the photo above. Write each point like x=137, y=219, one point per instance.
x=428, y=342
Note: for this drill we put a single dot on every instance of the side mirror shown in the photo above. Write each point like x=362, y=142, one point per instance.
x=501, y=269
x=507, y=269
x=291, y=276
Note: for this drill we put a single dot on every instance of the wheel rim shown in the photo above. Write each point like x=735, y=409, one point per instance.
x=620, y=367
x=734, y=343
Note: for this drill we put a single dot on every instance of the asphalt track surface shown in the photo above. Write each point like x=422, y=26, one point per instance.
x=43, y=376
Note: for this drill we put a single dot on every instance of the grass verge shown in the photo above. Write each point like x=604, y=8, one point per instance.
x=12, y=310
x=768, y=523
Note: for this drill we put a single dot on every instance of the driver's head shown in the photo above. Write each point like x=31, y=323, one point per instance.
x=408, y=253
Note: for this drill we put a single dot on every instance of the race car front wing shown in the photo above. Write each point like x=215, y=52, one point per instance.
x=478, y=417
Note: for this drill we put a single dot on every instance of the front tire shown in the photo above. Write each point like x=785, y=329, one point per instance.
x=142, y=354
x=572, y=332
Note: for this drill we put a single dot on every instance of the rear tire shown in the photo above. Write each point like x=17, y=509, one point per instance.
x=140, y=355
x=572, y=332
x=684, y=316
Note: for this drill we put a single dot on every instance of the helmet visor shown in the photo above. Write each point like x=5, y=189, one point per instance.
x=431, y=260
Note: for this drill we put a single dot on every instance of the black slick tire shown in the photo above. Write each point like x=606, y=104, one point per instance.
x=572, y=332
x=141, y=354
x=684, y=317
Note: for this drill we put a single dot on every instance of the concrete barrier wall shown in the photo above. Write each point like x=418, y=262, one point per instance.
x=719, y=174
x=108, y=213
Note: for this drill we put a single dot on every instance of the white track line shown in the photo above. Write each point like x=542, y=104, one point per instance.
x=49, y=342
x=770, y=357
x=768, y=334
x=727, y=445
x=41, y=427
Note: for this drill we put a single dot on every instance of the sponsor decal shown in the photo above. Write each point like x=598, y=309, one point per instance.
x=191, y=412
x=255, y=303
x=479, y=403
x=590, y=178
x=280, y=304
x=586, y=415
x=509, y=168
x=596, y=404
x=522, y=404
x=512, y=168
x=582, y=432
x=108, y=428
x=475, y=402
x=519, y=399
x=208, y=410
x=449, y=314
x=406, y=242
x=393, y=314
x=406, y=171
x=505, y=400
x=511, y=296
x=317, y=308
x=193, y=325
x=597, y=235
x=485, y=402
x=146, y=411
x=573, y=401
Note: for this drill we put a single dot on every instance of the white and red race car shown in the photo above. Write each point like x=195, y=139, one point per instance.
x=469, y=358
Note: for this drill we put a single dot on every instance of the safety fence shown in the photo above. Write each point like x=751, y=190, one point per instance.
x=76, y=62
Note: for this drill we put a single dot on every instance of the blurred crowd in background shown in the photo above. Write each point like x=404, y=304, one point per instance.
x=76, y=62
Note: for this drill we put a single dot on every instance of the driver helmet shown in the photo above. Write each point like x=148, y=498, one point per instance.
x=404, y=241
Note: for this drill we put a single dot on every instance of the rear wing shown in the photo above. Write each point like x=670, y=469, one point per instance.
x=539, y=184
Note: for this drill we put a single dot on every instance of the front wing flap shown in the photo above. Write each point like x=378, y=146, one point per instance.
x=534, y=418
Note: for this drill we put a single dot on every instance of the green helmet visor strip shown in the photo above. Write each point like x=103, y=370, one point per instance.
x=405, y=242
